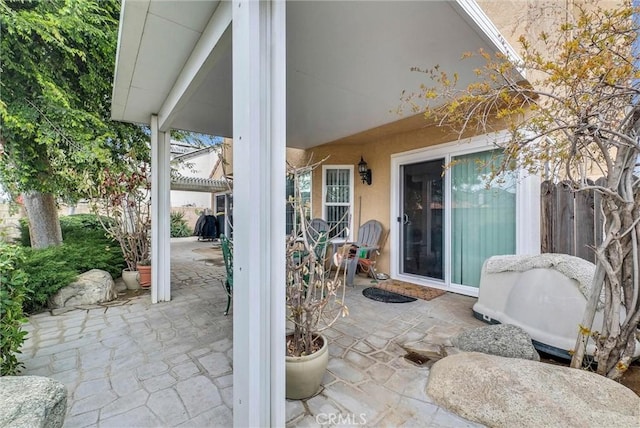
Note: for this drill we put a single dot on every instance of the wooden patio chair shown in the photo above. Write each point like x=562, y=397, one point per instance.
x=365, y=250
x=227, y=254
x=368, y=264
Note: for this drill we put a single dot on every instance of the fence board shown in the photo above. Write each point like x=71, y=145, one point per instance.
x=598, y=218
x=571, y=222
x=563, y=236
x=584, y=225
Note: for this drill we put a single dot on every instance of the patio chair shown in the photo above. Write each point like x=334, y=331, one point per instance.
x=227, y=254
x=318, y=236
x=316, y=227
x=368, y=264
x=318, y=232
x=365, y=250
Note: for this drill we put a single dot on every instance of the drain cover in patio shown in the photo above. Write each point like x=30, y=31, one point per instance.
x=385, y=296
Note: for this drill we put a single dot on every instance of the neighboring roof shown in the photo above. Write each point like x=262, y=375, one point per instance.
x=192, y=184
x=347, y=62
x=194, y=153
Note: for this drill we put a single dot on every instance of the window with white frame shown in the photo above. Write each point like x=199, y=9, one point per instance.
x=337, y=198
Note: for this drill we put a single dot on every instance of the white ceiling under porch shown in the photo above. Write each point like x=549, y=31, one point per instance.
x=347, y=62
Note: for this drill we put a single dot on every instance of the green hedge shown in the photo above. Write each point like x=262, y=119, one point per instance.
x=75, y=228
x=13, y=291
x=53, y=268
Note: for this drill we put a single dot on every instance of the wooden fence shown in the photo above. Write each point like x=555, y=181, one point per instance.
x=569, y=222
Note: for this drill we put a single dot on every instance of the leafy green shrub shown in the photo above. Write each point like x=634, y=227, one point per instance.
x=179, y=226
x=75, y=228
x=86, y=246
x=13, y=290
x=25, y=239
x=53, y=268
x=48, y=272
x=80, y=227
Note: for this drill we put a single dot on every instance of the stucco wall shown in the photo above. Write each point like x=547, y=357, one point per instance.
x=9, y=222
x=529, y=18
x=514, y=18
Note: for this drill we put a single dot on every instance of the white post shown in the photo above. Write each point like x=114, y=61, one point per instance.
x=160, y=214
x=259, y=126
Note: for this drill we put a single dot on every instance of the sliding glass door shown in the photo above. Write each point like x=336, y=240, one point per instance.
x=452, y=219
x=422, y=219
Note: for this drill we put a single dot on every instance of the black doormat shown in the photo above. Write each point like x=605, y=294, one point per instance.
x=385, y=296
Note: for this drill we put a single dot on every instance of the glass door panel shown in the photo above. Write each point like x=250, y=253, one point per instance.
x=483, y=216
x=422, y=247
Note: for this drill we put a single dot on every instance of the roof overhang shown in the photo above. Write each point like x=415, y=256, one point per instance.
x=348, y=62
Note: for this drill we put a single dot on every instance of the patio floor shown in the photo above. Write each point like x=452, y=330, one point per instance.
x=134, y=364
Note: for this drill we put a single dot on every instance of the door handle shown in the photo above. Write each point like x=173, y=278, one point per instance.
x=405, y=218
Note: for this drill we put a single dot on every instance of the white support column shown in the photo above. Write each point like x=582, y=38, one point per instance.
x=259, y=126
x=160, y=214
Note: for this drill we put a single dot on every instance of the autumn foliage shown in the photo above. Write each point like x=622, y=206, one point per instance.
x=570, y=104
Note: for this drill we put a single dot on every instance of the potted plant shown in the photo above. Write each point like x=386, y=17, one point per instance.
x=144, y=273
x=122, y=200
x=315, y=299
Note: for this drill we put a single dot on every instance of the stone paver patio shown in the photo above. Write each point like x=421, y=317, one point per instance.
x=134, y=364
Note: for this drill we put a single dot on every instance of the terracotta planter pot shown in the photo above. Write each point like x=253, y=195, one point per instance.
x=304, y=374
x=145, y=275
x=130, y=278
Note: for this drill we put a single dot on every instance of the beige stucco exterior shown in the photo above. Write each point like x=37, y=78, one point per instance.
x=515, y=18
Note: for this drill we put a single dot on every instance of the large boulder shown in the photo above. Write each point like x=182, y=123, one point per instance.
x=32, y=401
x=504, y=340
x=94, y=286
x=508, y=392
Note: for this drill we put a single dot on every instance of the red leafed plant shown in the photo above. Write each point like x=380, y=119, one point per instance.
x=123, y=198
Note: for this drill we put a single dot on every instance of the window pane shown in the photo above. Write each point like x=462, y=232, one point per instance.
x=337, y=186
x=220, y=204
x=338, y=220
x=289, y=209
x=483, y=215
x=292, y=220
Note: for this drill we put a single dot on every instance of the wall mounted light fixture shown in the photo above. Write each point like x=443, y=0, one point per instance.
x=365, y=172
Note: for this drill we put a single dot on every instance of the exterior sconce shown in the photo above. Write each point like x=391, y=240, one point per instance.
x=365, y=172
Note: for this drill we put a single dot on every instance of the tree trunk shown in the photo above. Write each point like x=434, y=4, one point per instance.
x=44, y=224
x=619, y=259
x=587, y=320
